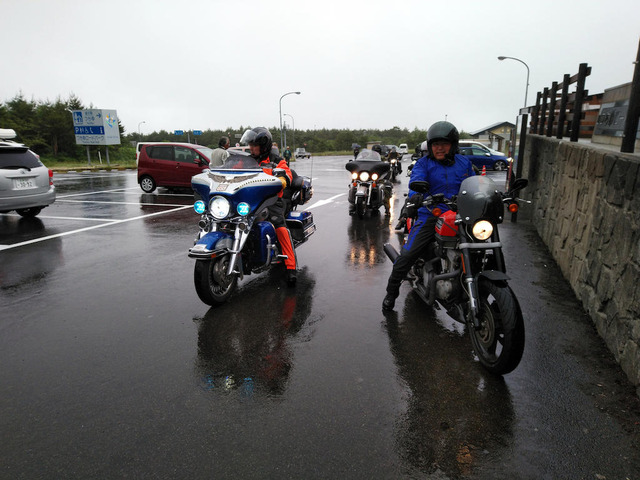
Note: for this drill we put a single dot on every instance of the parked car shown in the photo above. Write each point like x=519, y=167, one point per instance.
x=26, y=185
x=302, y=153
x=170, y=164
x=481, y=157
x=241, y=148
x=470, y=143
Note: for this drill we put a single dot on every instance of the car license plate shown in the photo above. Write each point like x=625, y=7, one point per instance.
x=23, y=183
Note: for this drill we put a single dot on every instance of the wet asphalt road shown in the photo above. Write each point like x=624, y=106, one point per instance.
x=113, y=368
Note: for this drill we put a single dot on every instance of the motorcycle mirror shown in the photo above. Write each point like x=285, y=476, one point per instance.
x=519, y=183
x=419, y=186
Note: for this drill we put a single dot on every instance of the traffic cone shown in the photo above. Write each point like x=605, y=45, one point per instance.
x=484, y=169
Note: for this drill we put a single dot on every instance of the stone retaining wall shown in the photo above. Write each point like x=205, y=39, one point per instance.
x=586, y=208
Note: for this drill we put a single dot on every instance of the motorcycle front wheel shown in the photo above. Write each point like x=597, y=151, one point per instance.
x=213, y=285
x=499, y=342
x=361, y=207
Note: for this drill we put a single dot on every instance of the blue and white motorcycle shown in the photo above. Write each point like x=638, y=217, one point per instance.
x=235, y=237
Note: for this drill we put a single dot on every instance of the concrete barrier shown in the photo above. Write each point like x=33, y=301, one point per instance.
x=586, y=208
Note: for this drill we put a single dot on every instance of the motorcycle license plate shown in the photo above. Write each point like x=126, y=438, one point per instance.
x=222, y=187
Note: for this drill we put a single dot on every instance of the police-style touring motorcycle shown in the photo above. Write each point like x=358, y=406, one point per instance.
x=236, y=238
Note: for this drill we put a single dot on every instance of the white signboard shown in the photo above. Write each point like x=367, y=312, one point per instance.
x=96, y=127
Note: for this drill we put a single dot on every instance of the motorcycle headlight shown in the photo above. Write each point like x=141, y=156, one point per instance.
x=374, y=177
x=482, y=230
x=243, y=209
x=199, y=207
x=219, y=207
x=354, y=176
x=364, y=176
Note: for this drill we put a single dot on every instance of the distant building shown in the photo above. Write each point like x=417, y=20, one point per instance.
x=495, y=136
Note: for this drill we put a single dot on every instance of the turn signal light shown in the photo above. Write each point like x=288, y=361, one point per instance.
x=513, y=208
x=436, y=212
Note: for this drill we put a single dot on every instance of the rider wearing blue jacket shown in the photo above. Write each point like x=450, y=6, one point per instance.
x=444, y=170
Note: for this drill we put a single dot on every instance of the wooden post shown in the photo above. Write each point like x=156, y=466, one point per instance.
x=543, y=114
x=577, y=104
x=633, y=113
x=552, y=108
x=562, y=116
x=536, y=114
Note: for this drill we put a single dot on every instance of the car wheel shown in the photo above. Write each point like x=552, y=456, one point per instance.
x=147, y=184
x=499, y=165
x=29, y=212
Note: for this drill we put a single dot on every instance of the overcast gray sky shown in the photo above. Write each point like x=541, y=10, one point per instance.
x=210, y=64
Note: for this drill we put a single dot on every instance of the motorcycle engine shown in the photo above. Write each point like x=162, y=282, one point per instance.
x=444, y=289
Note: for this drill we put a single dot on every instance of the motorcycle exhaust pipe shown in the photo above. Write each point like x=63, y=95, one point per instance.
x=391, y=252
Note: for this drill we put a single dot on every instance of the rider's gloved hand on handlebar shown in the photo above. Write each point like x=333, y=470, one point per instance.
x=414, y=203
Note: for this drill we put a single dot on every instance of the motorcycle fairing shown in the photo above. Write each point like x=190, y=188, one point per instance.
x=249, y=186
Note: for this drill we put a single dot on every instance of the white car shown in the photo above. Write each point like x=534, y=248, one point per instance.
x=26, y=185
x=403, y=149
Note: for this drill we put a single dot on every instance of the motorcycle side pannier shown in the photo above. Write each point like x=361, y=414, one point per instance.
x=300, y=224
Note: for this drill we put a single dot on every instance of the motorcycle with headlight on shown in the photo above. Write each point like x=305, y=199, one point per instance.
x=236, y=237
x=370, y=187
x=464, y=270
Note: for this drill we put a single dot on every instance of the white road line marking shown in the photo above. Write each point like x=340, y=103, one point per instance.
x=72, y=232
x=324, y=202
x=124, y=203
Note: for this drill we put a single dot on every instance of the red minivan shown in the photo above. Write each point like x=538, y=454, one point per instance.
x=170, y=164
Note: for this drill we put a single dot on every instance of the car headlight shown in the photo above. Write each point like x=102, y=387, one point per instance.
x=482, y=230
x=243, y=208
x=219, y=207
x=364, y=176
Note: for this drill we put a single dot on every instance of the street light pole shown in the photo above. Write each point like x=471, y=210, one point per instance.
x=139, y=135
x=280, y=110
x=293, y=122
x=523, y=129
x=526, y=91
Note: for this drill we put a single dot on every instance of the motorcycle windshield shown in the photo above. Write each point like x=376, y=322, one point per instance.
x=369, y=155
x=239, y=162
x=479, y=199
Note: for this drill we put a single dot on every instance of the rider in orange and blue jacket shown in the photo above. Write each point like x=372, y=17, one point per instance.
x=260, y=144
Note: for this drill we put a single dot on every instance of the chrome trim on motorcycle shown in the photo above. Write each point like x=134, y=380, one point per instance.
x=481, y=246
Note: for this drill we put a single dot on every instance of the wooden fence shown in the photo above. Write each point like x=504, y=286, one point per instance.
x=562, y=114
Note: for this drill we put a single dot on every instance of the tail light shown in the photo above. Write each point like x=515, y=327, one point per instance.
x=513, y=208
x=50, y=177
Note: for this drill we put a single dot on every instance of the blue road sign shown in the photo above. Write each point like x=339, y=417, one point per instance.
x=197, y=132
x=178, y=132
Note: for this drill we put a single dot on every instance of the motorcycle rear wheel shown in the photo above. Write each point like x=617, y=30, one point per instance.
x=361, y=208
x=212, y=283
x=499, y=342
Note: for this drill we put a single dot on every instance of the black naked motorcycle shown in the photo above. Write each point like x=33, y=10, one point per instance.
x=464, y=270
x=370, y=187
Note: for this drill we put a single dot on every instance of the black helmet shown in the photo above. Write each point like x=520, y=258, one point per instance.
x=443, y=131
x=377, y=148
x=259, y=136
